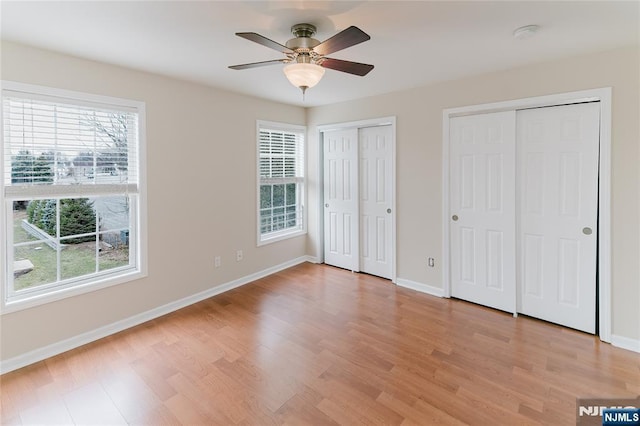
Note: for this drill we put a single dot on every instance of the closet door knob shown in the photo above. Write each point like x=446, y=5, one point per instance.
x=454, y=217
x=587, y=231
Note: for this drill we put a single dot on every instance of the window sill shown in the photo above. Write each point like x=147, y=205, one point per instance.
x=30, y=301
x=279, y=236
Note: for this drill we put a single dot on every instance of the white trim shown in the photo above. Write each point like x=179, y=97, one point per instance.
x=141, y=223
x=373, y=122
x=603, y=95
x=446, y=260
x=5, y=229
x=625, y=343
x=107, y=330
x=285, y=234
x=394, y=216
x=283, y=127
x=421, y=287
x=320, y=196
x=604, y=216
x=72, y=96
x=589, y=95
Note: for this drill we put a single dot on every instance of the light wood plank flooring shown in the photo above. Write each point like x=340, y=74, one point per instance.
x=319, y=345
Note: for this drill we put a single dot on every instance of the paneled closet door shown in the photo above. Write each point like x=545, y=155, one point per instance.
x=341, y=199
x=558, y=187
x=482, y=202
x=376, y=200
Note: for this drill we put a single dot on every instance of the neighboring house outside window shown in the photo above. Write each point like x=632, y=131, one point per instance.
x=281, y=181
x=72, y=193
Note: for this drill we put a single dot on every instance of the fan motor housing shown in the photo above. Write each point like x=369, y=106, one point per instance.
x=303, y=37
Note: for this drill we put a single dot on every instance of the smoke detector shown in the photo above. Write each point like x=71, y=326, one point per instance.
x=525, y=32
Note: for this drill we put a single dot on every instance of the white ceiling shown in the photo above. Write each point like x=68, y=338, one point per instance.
x=413, y=43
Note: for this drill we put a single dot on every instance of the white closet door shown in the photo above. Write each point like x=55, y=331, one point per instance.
x=341, y=198
x=376, y=192
x=558, y=175
x=482, y=201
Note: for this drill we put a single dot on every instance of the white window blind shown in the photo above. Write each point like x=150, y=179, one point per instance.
x=50, y=141
x=281, y=156
x=281, y=180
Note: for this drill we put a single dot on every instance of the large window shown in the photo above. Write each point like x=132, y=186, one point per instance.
x=280, y=181
x=71, y=193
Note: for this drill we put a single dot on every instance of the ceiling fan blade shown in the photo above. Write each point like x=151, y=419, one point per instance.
x=257, y=38
x=355, y=68
x=257, y=64
x=346, y=38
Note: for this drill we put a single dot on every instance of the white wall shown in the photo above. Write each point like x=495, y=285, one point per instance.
x=201, y=162
x=419, y=164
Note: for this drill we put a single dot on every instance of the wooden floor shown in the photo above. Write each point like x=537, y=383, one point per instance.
x=319, y=345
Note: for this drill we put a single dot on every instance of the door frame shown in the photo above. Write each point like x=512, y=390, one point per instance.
x=602, y=95
x=374, y=122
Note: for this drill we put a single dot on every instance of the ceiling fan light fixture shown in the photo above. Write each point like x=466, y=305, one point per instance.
x=305, y=57
x=303, y=75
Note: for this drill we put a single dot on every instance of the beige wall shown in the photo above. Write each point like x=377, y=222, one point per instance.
x=201, y=162
x=206, y=138
x=419, y=153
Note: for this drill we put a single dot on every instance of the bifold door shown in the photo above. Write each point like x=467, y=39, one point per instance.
x=524, y=203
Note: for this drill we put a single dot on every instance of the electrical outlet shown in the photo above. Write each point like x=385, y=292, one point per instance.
x=217, y=261
x=431, y=262
x=239, y=255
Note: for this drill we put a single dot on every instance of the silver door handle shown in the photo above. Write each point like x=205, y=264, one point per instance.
x=388, y=210
x=326, y=205
x=587, y=231
x=454, y=217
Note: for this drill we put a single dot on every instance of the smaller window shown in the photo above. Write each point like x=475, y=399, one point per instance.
x=281, y=181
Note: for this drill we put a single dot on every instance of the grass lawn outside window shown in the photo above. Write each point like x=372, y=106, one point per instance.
x=75, y=259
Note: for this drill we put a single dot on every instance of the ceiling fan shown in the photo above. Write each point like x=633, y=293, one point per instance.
x=306, y=57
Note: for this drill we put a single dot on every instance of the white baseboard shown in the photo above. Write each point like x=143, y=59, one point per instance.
x=423, y=288
x=313, y=259
x=107, y=330
x=625, y=343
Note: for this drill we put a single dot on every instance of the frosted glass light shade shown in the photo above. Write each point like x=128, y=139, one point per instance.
x=304, y=75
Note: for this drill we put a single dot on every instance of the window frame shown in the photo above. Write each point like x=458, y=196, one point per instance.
x=280, y=235
x=138, y=209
